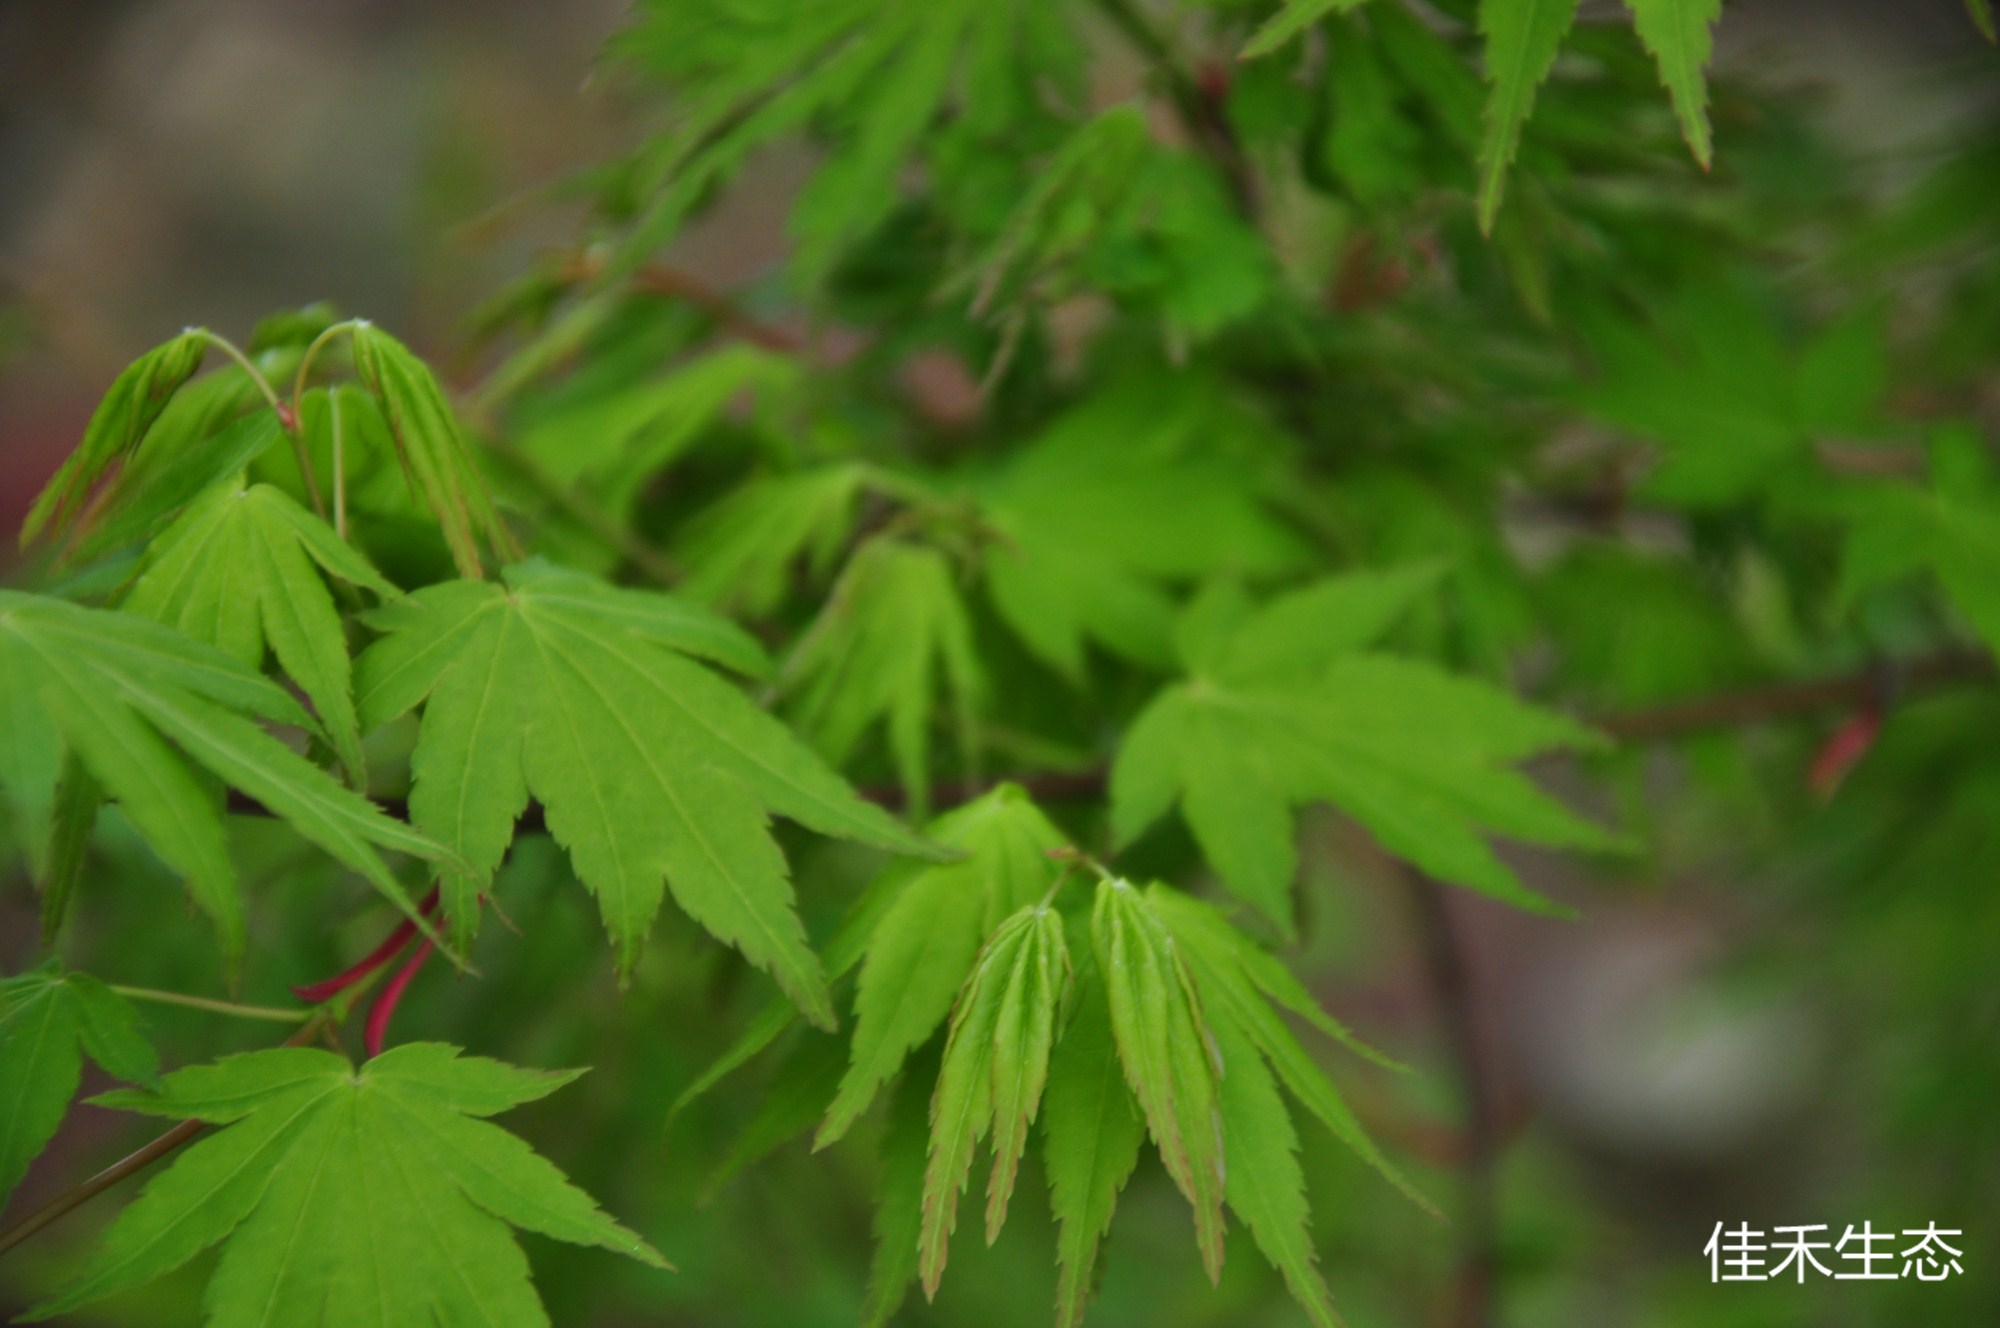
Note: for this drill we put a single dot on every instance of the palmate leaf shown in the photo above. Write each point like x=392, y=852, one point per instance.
x=48, y=1019
x=139, y=705
x=995, y=1065
x=243, y=568
x=893, y=636
x=1140, y=486
x=651, y=770
x=1283, y=707
x=1166, y=1049
x=1522, y=37
x=741, y=553
x=924, y=941
x=349, y=1196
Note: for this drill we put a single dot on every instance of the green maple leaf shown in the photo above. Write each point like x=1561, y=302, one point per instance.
x=1677, y=33
x=139, y=706
x=1293, y=17
x=131, y=404
x=1952, y=529
x=922, y=944
x=996, y=1062
x=874, y=76
x=1522, y=38
x=893, y=634
x=651, y=770
x=48, y=1019
x=740, y=554
x=370, y=1195
x=244, y=568
x=1284, y=707
x=1140, y=486
x=432, y=446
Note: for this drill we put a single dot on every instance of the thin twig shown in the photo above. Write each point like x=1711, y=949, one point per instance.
x=134, y=1163
x=271, y=1013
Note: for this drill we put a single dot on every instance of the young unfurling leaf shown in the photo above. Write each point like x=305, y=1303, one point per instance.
x=245, y=567
x=48, y=1018
x=1167, y=1051
x=134, y=400
x=920, y=951
x=433, y=447
x=651, y=770
x=345, y=1195
x=140, y=705
x=995, y=1065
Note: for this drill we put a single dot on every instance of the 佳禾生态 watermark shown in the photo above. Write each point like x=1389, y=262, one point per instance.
x=1862, y=1254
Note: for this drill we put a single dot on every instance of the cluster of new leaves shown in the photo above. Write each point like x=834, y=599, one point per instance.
x=1003, y=994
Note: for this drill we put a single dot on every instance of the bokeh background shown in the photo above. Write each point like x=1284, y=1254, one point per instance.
x=1666, y=1061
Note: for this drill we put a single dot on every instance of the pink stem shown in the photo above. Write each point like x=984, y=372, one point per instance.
x=385, y=1003
x=380, y=955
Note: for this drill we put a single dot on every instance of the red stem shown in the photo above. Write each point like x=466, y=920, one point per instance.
x=380, y=955
x=385, y=1004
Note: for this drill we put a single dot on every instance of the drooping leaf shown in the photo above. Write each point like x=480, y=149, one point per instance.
x=1522, y=37
x=995, y=1066
x=1166, y=1050
x=244, y=568
x=1415, y=754
x=48, y=1019
x=436, y=455
x=168, y=474
x=651, y=770
x=1094, y=1130
x=899, y=1201
x=1677, y=33
x=343, y=1195
x=924, y=945
x=131, y=404
x=137, y=702
x=893, y=640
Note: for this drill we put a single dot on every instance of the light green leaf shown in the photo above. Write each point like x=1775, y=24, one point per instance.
x=1293, y=17
x=927, y=939
x=652, y=771
x=241, y=569
x=119, y=687
x=1094, y=1130
x=1167, y=1051
x=351, y=1196
x=45, y=1016
x=435, y=452
x=1522, y=37
x=1417, y=755
x=1677, y=33
x=130, y=405
x=899, y=1201
x=893, y=640
x=740, y=554
x=995, y=1065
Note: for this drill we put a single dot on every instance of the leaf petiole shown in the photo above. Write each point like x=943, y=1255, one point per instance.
x=271, y=1013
